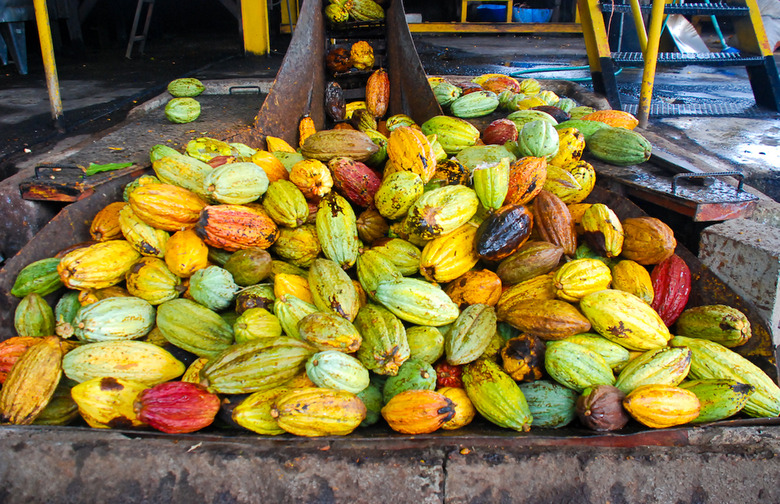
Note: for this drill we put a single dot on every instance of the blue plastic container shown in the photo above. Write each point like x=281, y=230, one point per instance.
x=520, y=15
x=491, y=13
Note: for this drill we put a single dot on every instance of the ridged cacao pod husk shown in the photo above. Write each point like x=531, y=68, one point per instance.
x=332, y=369
x=575, y=366
x=476, y=104
x=504, y=232
x=600, y=408
x=571, y=144
x=193, y=327
x=254, y=412
x=256, y=323
x=580, y=277
x=625, y=319
x=183, y=171
x=417, y=302
x=713, y=360
x=105, y=224
x=371, y=226
x=297, y=285
x=40, y=277
x=236, y=183
x=34, y=317
x=354, y=180
x=329, y=331
x=409, y=150
x=453, y=133
x=719, y=323
x=538, y=139
x=446, y=93
x=475, y=287
x=500, y=132
x=619, y=146
x=272, y=164
x=534, y=258
x=332, y=289
x=312, y=177
x=426, y=343
x=647, y=240
x=177, y=407
x=326, y=144
x=404, y=255
x=396, y=194
x=496, y=396
x=378, y=92
x=553, y=221
x=587, y=128
x=630, y=276
x=538, y=288
x=337, y=230
x=147, y=240
x=96, y=266
x=451, y=172
x=449, y=256
x=615, y=355
x=118, y=318
x=286, y=204
x=661, y=406
x=290, y=309
x=441, y=211
x=108, y=402
x=719, y=399
x=470, y=334
x=464, y=409
x=234, y=227
x=562, y=184
x=255, y=296
x=186, y=253
x=372, y=268
x=551, y=405
x=130, y=360
x=166, y=206
x=384, y=346
x=672, y=286
x=315, y=412
x=64, y=312
x=614, y=118
x=213, y=287
x=256, y=365
x=31, y=382
x=481, y=155
x=10, y=351
x=526, y=179
x=299, y=246
x=418, y=411
x=547, y=319
x=151, y=280
x=662, y=366
x=362, y=120
x=523, y=117
x=412, y=375
x=335, y=104
x=522, y=358
x=603, y=230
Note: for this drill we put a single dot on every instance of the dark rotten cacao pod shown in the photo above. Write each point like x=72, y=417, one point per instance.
x=504, y=232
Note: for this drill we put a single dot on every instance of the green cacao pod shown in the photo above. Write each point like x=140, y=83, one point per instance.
x=662, y=366
x=336, y=370
x=404, y=255
x=476, y=104
x=575, y=366
x=619, y=146
x=286, y=204
x=496, y=396
x=116, y=318
x=426, y=343
x=40, y=277
x=256, y=323
x=337, y=230
x=236, y=183
x=441, y=211
x=470, y=334
x=538, y=139
x=213, y=287
x=185, y=87
x=329, y=331
x=34, y=317
x=417, y=302
x=332, y=290
x=719, y=399
x=719, y=323
x=453, y=133
x=290, y=310
x=615, y=355
x=182, y=110
x=552, y=405
x=193, y=327
x=254, y=412
x=384, y=347
x=412, y=375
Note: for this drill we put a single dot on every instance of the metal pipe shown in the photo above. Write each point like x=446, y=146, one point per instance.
x=49, y=65
x=639, y=22
x=651, y=59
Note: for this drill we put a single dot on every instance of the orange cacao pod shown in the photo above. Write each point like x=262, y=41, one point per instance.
x=418, y=411
x=378, y=93
x=647, y=240
x=166, y=206
x=526, y=178
x=475, y=287
x=105, y=225
x=234, y=227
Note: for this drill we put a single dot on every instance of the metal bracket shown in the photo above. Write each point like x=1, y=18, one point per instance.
x=244, y=90
x=736, y=174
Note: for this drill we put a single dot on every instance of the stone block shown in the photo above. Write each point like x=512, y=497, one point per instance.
x=746, y=255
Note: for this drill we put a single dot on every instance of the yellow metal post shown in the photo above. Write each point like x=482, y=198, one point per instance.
x=49, y=65
x=639, y=22
x=594, y=32
x=254, y=18
x=651, y=58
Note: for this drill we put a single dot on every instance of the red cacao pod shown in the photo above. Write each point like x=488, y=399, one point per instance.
x=10, y=351
x=448, y=375
x=177, y=407
x=500, y=132
x=672, y=286
x=354, y=180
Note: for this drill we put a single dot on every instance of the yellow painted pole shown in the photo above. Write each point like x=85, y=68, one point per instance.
x=651, y=58
x=639, y=22
x=254, y=18
x=49, y=65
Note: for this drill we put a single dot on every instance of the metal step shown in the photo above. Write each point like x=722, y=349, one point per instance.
x=635, y=59
x=688, y=9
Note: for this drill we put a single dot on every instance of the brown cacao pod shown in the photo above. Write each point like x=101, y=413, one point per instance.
x=647, y=240
x=504, y=232
x=554, y=222
x=378, y=92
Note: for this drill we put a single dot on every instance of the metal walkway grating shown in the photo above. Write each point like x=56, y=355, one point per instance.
x=688, y=9
x=682, y=59
x=661, y=109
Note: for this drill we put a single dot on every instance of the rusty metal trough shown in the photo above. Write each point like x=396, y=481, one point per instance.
x=297, y=90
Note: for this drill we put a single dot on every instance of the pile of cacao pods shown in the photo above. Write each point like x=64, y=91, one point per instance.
x=183, y=107
x=420, y=274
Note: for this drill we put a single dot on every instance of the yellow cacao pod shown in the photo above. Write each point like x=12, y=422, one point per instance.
x=31, y=382
x=661, y=406
x=97, y=266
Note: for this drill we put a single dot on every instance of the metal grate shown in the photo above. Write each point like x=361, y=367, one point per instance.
x=688, y=9
x=682, y=59
x=661, y=109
